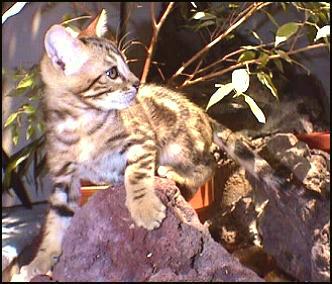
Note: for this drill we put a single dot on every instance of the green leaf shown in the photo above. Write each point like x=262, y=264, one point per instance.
x=311, y=32
x=11, y=166
x=15, y=136
x=263, y=58
x=25, y=165
x=240, y=80
x=30, y=132
x=40, y=127
x=6, y=179
x=198, y=15
x=29, y=109
x=271, y=19
x=16, y=92
x=247, y=55
x=11, y=119
x=203, y=16
x=28, y=148
x=284, y=56
x=285, y=32
x=204, y=24
x=255, y=109
x=256, y=36
x=222, y=92
x=26, y=82
x=323, y=32
x=278, y=63
x=233, y=6
x=283, y=5
x=41, y=167
x=266, y=80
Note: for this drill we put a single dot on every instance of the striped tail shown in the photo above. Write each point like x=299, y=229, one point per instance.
x=238, y=149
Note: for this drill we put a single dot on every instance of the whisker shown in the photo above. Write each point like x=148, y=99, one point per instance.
x=132, y=43
x=122, y=39
x=126, y=45
x=117, y=33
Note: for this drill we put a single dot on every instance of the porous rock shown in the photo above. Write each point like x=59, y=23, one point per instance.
x=295, y=223
x=103, y=244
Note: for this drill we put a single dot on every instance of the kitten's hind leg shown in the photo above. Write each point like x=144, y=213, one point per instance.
x=57, y=220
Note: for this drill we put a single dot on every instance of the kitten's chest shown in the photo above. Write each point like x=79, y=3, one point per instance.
x=101, y=165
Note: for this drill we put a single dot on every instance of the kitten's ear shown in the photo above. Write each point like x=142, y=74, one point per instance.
x=64, y=50
x=98, y=27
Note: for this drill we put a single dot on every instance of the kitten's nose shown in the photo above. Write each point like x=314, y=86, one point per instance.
x=136, y=84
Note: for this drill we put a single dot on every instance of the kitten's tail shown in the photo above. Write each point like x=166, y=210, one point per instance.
x=238, y=149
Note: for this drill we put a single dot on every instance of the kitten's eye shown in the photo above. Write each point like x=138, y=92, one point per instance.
x=112, y=73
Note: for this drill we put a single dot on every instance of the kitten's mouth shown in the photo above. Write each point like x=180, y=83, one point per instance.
x=126, y=96
x=129, y=96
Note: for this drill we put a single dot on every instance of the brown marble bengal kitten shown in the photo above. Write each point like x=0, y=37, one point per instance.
x=103, y=127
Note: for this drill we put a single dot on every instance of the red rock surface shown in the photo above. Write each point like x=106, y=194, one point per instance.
x=102, y=244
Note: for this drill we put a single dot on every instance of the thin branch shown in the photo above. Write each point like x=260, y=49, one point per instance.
x=296, y=37
x=227, y=56
x=256, y=7
x=156, y=28
x=302, y=66
x=252, y=61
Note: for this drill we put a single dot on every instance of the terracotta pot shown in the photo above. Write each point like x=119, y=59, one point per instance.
x=204, y=197
x=88, y=189
x=201, y=201
x=317, y=140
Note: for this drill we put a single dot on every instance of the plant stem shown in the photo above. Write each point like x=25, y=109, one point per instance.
x=256, y=7
x=253, y=61
x=156, y=28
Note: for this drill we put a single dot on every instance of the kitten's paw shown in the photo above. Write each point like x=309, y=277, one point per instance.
x=148, y=212
x=39, y=266
x=169, y=173
x=162, y=171
x=27, y=272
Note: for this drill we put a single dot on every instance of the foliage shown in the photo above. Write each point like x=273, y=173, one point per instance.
x=28, y=87
x=220, y=22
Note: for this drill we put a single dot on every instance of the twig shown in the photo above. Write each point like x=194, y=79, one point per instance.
x=156, y=28
x=229, y=55
x=296, y=37
x=252, y=61
x=256, y=7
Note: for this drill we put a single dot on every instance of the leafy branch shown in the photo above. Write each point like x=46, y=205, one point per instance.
x=245, y=15
x=249, y=62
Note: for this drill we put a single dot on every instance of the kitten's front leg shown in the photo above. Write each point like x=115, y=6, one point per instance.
x=145, y=207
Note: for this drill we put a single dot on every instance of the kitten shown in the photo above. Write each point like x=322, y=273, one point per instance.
x=99, y=128
x=103, y=127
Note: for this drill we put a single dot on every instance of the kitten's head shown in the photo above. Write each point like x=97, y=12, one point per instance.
x=88, y=66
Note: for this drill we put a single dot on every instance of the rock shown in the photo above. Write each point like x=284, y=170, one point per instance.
x=42, y=278
x=293, y=225
x=320, y=264
x=103, y=244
